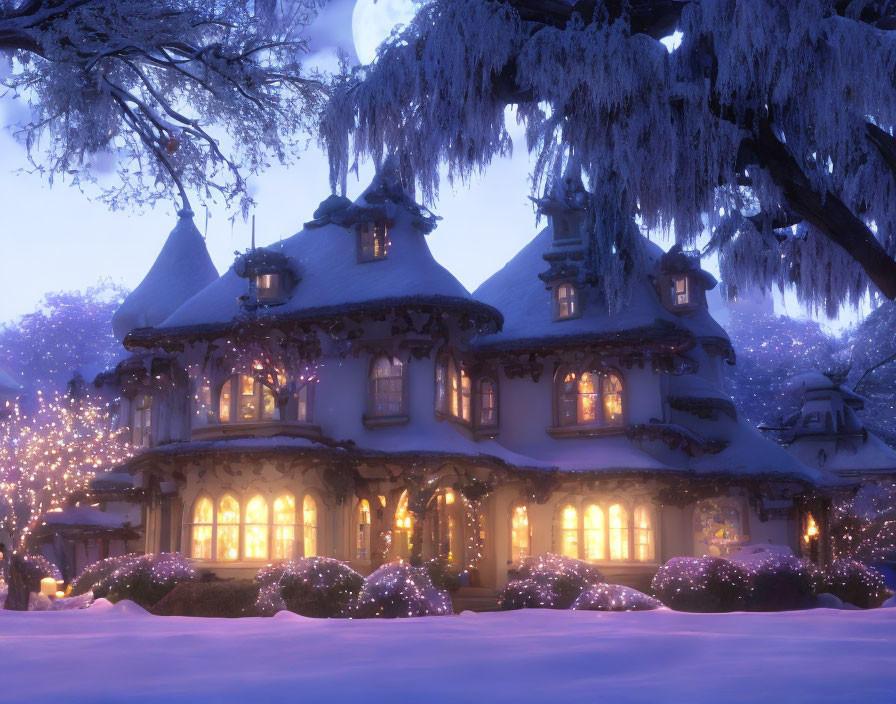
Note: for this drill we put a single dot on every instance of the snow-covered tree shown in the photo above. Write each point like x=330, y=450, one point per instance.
x=47, y=455
x=770, y=123
x=157, y=87
x=872, y=352
x=69, y=330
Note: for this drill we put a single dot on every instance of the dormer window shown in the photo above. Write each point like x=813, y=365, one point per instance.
x=566, y=302
x=680, y=290
x=270, y=287
x=373, y=241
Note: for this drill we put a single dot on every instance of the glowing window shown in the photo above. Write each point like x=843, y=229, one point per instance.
x=680, y=292
x=143, y=420
x=284, y=526
x=612, y=393
x=201, y=532
x=441, y=386
x=248, y=404
x=566, y=303
x=404, y=524
x=362, y=549
x=309, y=514
x=488, y=403
x=455, y=390
x=618, y=532
x=465, y=389
x=374, y=241
x=717, y=527
x=594, y=533
x=387, y=387
x=569, y=533
x=228, y=526
x=224, y=403
x=256, y=529
x=269, y=287
x=644, y=550
x=520, y=537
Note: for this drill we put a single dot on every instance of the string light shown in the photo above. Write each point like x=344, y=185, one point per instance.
x=396, y=590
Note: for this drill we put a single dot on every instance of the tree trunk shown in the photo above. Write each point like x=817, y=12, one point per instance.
x=19, y=590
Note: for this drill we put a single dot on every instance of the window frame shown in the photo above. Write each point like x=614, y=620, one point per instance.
x=573, y=302
x=367, y=250
x=372, y=414
x=143, y=410
x=480, y=396
x=562, y=399
x=515, y=555
x=603, y=531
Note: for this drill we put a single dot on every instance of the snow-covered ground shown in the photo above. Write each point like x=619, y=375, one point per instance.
x=116, y=654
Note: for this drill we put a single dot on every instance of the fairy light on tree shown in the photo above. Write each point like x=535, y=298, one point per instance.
x=51, y=453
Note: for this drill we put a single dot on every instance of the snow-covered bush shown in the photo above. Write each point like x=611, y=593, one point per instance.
x=614, y=597
x=37, y=567
x=564, y=577
x=144, y=579
x=443, y=575
x=701, y=584
x=780, y=583
x=229, y=598
x=97, y=571
x=854, y=583
x=398, y=589
x=311, y=586
x=525, y=594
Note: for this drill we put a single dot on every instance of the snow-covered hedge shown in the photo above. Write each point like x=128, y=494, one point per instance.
x=614, y=597
x=396, y=590
x=854, y=583
x=144, y=579
x=780, y=583
x=549, y=582
x=311, y=586
x=701, y=584
x=98, y=571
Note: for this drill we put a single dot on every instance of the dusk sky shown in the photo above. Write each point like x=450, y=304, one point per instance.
x=60, y=238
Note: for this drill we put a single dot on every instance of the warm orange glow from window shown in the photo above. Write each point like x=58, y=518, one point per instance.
x=680, y=290
x=811, y=530
x=594, y=533
x=256, y=530
x=570, y=533
x=465, y=388
x=309, y=513
x=228, y=545
x=201, y=543
x=618, y=532
x=612, y=392
x=519, y=534
x=643, y=535
x=362, y=551
x=284, y=526
x=566, y=301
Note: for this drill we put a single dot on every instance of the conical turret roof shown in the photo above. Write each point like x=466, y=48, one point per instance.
x=182, y=269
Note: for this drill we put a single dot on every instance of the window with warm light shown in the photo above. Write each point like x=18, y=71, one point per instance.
x=228, y=527
x=142, y=433
x=201, y=529
x=488, y=403
x=680, y=293
x=594, y=533
x=520, y=536
x=254, y=401
x=619, y=532
x=269, y=287
x=387, y=387
x=566, y=302
x=569, y=533
x=644, y=548
x=255, y=529
x=284, y=526
x=362, y=548
x=404, y=525
x=374, y=241
x=465, y=391
x=309, y=515
x=589, y=398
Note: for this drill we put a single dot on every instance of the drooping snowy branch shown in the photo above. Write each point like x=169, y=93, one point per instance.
x=183, y=95
x=764, y=108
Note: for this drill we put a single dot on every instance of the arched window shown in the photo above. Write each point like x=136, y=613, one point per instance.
x=618, y=532
x=387, y=387
x=465, y=390
x=404, y=524
x=566, y=302
x=718, y=529
x=255, y=530
x=520, y=537
x=254, y=401
x=228, y=527
x=569, y=533
x=588, y=398
x=442, y=385
x=309, y=515
x=644, y=550
x=284, y=526
x=201, y=531
x=142, y=434
x=488, y=403
x=594, y=533
x=362, y=551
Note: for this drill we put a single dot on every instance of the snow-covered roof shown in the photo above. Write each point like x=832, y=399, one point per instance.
x=845, y=455
x=8, y=385
x=182, y=269
x=331, y=277
x=83, y=516
x=522, y=298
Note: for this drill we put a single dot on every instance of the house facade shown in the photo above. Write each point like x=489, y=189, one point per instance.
x=341, y=394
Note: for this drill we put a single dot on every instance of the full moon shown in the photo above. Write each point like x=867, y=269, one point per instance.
x=373, y=22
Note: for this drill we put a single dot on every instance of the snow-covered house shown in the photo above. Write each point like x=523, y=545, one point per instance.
x=342, y=394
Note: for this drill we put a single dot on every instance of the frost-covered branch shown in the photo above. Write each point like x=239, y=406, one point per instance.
x=210, y=90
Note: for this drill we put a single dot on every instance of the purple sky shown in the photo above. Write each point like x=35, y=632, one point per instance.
x=58, y=238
